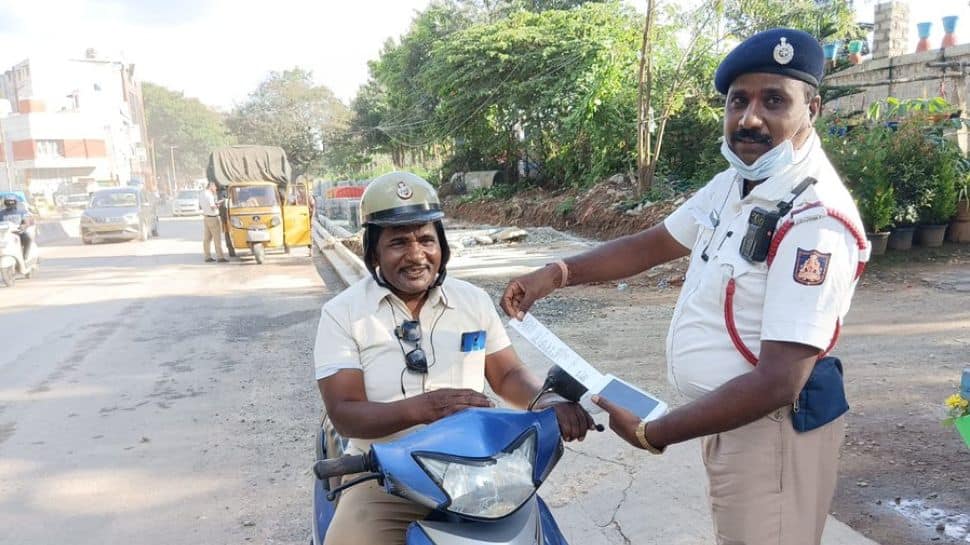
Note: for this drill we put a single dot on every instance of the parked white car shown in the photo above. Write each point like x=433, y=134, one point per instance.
x=186, y=203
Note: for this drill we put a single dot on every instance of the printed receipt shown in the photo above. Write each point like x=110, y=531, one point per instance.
x=558, y=352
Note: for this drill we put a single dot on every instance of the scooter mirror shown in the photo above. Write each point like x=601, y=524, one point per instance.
x=562, y=383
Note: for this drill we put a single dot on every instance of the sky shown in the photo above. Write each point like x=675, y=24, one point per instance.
x=219, y=50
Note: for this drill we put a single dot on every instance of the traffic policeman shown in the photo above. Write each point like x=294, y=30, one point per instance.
x=409, y=345
x=775, y=249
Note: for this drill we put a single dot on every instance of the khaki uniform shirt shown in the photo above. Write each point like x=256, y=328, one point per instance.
x=807, y=289
x=356, y=331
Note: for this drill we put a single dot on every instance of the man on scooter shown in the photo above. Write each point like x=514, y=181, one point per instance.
x=14, y=209
x=407, y=346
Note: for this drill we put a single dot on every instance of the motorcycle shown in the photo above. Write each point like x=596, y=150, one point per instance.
x=14, y=257
x=478, y=470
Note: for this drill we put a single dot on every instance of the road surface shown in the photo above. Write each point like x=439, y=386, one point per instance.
x=148, y=397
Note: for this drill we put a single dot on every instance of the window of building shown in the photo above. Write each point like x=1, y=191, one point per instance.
x=50, y=149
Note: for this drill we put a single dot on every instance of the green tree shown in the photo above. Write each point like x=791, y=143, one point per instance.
x=556, y=88
x=289, y=110
x=182, y=128
x=394, y=112
x=824, y=19
x=677, y=59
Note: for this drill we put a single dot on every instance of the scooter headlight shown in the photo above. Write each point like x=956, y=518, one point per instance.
x=236, y=222
x=490, y=488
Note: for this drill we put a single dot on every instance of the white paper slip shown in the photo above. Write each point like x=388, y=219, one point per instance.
x=557, y=351
x=616, y=390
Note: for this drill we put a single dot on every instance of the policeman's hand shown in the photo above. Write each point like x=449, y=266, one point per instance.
x=438, y=404
x=622, y=422
x=523, y=291
x=574, y=421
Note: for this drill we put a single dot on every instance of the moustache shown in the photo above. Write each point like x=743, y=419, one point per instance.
x=748, y=135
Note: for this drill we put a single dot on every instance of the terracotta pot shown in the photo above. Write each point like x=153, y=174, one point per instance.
x=901, y=238
x=949, y=27
x=878, y=241
x=923, y=29
x=959, y=231
x=963, y=210
x=930, y=236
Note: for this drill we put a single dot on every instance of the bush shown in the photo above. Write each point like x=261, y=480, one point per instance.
x=566, y=207
x=897, y=161
x=859, y=155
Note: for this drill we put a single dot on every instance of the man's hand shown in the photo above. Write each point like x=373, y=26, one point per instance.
x=622, y=422
x=523, y=291
x=574, y=421
x=438, y=404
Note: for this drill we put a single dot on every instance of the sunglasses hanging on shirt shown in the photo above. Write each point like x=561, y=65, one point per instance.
x=415, y=360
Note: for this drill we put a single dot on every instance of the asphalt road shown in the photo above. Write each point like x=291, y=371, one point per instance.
x=147, y=397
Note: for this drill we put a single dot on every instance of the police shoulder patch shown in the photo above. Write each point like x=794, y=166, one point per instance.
x=811, y=267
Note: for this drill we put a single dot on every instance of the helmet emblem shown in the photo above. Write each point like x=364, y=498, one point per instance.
x=404, y=190
x=784, y=52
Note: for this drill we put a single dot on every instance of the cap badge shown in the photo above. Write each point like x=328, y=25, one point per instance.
x=404, y=191
x=784, y=52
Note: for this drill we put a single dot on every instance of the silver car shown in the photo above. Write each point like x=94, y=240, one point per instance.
x=124, y=213
x=186, y=203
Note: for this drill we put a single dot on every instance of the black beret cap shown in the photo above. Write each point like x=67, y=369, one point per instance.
x=784, y=51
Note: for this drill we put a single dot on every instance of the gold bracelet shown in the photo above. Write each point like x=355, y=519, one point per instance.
x=642, y=439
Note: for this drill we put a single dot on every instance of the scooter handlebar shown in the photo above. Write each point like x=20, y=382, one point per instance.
x=345, y=465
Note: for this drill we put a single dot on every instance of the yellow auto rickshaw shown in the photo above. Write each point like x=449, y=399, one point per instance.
x=262, y=209
x=261, y=217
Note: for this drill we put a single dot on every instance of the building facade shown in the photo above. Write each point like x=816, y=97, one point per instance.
x=67, y=122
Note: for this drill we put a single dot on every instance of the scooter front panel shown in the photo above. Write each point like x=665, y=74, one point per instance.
x=524, y=527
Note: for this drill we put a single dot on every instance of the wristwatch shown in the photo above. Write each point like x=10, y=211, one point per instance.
x=642, y=438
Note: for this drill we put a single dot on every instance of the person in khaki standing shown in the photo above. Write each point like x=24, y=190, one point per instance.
x=760, y=308
x=212, y=225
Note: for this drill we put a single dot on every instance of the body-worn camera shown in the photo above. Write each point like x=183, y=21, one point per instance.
x=761, y=228
x=762, y=224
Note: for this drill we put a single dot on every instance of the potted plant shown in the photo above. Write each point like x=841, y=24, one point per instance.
x=960, y=226
x=876, y=205
x=958, y=415
x=921, y=166
x=939, y=193
x=858, y=153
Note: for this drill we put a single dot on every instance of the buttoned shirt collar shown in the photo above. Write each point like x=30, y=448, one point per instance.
x=377, y=294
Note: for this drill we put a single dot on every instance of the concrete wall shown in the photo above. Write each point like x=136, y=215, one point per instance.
x=916, y=75
x=930, y=74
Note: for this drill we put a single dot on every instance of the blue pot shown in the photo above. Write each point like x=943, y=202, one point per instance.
x=950, y=23
x=829, y=50
x=923, y=29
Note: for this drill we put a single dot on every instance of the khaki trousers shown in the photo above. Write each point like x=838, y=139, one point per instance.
x=771, y=485
x=212, y=232
x=366, y=515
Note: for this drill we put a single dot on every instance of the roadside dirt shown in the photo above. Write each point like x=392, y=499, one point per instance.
x=904, y=478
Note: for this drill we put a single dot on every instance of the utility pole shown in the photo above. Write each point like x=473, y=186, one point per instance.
x=151, y=148
x=171, y=151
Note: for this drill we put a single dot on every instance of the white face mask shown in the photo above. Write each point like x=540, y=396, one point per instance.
x=777, y=160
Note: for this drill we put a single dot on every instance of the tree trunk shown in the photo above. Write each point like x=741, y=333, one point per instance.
x=645, y=166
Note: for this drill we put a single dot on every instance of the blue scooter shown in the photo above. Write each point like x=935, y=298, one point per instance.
x=478, y=470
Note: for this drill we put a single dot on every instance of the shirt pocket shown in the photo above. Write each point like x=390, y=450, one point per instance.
x=706, y=225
